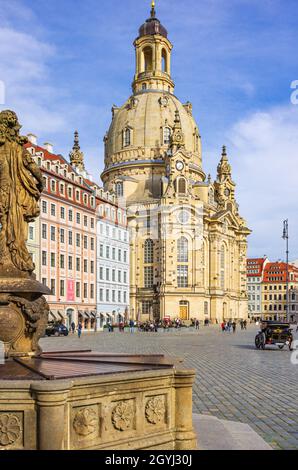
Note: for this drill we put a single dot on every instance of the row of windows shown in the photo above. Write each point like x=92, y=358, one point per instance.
x=274, y=287
x=113, y=232
x=62, y=265
x=80, y=288
x=254, y=279
x=182, y=276
x=78, y=218
x=128, y=136
x=70, y=192
x=111, y=213
x=254, y=288
x=279, y=307
x=112, y=296
x=111, y=275
x=182, y=251
x=79, y=239
x=253, y=308
x=110, y=253
x=253, y=297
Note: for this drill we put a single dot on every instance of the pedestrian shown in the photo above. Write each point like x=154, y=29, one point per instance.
x=73, y=327
x=223, y=327
x=245, y=324
x=197, y=324
x=80, y=327
x=234, y=326
x=131, y=326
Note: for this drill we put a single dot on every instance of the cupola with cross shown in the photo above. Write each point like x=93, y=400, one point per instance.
x=153, y=56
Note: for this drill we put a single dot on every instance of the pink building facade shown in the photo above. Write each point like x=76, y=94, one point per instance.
x=63, y=239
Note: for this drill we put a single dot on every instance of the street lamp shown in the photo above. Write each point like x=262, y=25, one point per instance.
x=286, y=238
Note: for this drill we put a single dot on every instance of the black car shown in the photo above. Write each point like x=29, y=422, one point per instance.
x=274, y=333
x=56, y=329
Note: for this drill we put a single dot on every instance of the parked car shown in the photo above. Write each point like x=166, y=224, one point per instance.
x=56, y=329
x=274, y=333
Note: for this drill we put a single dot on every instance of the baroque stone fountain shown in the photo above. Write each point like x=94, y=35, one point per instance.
x=74, y=400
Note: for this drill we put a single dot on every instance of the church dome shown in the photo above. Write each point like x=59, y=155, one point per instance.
x=148, y=118
x=153, y=26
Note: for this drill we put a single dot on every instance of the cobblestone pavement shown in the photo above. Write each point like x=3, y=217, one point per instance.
x=234, y=381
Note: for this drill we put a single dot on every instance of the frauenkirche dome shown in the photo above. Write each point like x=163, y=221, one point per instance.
x=142, y=129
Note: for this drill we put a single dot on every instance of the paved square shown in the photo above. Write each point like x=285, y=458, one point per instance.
x=234, y=381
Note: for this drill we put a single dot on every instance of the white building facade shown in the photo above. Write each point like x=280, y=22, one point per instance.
x=113, y=263
x=255, y=269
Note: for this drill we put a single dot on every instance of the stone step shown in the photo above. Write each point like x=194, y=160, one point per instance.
x=216, y=434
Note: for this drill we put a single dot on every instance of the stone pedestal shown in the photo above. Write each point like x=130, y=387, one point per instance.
x=145, y=408
x=23, y=315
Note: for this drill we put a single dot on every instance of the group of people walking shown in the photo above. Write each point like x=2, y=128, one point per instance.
x=232, y=326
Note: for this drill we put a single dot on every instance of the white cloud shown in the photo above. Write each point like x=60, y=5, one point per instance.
x=265, y=162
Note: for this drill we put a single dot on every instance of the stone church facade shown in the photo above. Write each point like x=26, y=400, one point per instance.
x=188, y=240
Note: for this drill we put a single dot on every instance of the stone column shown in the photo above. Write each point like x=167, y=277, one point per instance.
x=186, y=438
x=51, y=399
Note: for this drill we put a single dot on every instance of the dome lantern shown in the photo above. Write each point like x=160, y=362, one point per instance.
x=153, y=57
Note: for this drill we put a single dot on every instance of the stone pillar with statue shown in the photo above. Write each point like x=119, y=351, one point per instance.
x=23, y=309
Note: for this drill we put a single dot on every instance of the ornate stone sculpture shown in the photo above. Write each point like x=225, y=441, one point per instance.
x=122, y=416
x=85, y=422
x=155, y=410
x=23, y=310
x=10, y=429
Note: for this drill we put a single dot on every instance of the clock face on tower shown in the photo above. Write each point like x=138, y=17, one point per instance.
x=227, y=192
x=180, y=166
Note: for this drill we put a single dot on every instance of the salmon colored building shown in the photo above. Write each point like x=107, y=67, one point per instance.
x=63, y=240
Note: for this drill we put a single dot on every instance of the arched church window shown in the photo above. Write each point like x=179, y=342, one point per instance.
x=127, y=137
x=149, y=252
x=222, y=267
x=119, y=189
x=182, y=250
x=148, y=59
x=164, y=59
x=167, y=135
x=182, y=186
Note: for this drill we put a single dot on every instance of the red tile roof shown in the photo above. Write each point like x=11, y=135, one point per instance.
x=255, y=267
x=277, y=272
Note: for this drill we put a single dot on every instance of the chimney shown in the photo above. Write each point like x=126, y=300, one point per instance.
x=49, y=147
x=32, y=138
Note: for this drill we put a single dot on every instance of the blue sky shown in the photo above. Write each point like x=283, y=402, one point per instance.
x=65, y=63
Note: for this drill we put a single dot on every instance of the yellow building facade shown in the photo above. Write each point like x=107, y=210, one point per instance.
x=188, y=241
